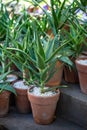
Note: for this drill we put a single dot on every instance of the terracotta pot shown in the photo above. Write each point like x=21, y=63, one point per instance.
x=43, y=107
x=66, y=27
x=14, y=67
x=31, y=9
x=71, y=75
x=21, y=100
x=50, y=33
x=82, y=72
x=57, y=77
x=4, y=103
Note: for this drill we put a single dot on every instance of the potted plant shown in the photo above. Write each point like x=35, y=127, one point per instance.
x=39, y=55
x=77, y=39
x=45, y=58
x=34, y=53
x=6, y=81
x=6, y=26
x=43, y=99
x=5, y=90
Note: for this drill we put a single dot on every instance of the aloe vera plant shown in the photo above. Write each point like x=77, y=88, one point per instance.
x=77, y=39
x=35, y=51
x=5, y=23
x=45, y=60
x=39, y=55
x=4, y=72
x=58, y=14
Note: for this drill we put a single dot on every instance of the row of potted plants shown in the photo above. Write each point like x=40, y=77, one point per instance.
x=39, y=55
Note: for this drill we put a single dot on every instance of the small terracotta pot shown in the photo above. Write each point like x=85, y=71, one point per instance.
x=82, y=72
x=30, y=9
x=57, y=77
x=43, y=107
x=14, y=67
x=21, y=100
x=66, y=27
x=50, y=33
x=71, y=76
x=4, y=103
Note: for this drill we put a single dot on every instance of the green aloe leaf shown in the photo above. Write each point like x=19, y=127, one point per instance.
x=66, y=60
x=49, y=49
x=40, y=61
x=7, y=87
x=44, y=74
x=3, y=76
x=40, y=49
x=56, y=51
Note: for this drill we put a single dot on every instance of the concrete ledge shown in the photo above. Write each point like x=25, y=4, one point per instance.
x=16, y=121
x=73, y=105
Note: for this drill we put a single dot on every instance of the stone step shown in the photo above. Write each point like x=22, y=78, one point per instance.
x=16, y=121
x=73, y=105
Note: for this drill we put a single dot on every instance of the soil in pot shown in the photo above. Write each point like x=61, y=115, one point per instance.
x=81, y=64
x=43, y=105
x=4, y=103
x=21, y=100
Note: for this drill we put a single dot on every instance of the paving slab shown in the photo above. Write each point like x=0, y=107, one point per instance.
x=16, y=121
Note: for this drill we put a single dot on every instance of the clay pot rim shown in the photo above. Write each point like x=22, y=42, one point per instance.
x=5, y=92
x=20, y=91
x=81, y=58
x=19, y=88
x=57, y=93
x=14, y=76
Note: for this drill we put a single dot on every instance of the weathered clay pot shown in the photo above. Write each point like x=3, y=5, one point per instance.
x=67, y=27
x=71, y=75
x=50, y=33
x=14, y=67
x=4, y=103
x=21, y=100
x=82, y=72
x=43, y=107
x=57, y=77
